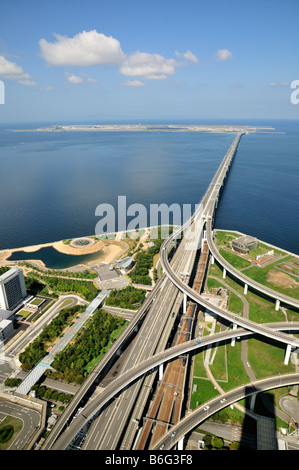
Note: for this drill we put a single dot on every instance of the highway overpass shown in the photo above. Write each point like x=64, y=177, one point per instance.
x=177, y=432
x=185, y=255
x=131, y=375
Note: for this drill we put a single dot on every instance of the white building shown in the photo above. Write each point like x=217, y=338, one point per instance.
x=125, y=264
x=6, y=329
x=12, y=289
x=6, y=324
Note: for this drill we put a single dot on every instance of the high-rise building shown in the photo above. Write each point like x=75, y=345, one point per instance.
x=12, y=289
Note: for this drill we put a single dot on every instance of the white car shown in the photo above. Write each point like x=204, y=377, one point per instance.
x=174, y=433
x=206, y=408
x=223, y=400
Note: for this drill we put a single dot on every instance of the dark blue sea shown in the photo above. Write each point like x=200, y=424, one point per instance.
x=51, y=183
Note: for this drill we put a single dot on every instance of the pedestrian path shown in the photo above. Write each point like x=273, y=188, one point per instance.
x=36, y=373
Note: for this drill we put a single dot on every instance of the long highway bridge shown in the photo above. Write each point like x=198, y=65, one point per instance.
x=119, y=404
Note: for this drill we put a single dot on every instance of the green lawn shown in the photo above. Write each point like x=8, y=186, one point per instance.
x=260, y=309
x=261, y=275
x=228, y=367
x=265, y=358
x=236, y=261
x=235, y=303
x=36, y=301
x=17, y=425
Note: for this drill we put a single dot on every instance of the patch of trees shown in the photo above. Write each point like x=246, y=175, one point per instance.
x=51, y=395
x=36, y=287
x=3, y=269
x=58, y=284
x=36, y=350
x=6, y=433
x=129, y=297
x=12, y=382
x=144, y=261
x=71, y=364
x=217, y=443
x=85, y=274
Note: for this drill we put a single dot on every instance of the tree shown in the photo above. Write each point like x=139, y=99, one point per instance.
x=217, y=442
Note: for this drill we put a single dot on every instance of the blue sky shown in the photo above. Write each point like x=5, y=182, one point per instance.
x=132, y=60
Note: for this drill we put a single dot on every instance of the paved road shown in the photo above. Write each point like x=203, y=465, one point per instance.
x=34, y=330
x=202, y=413
x=128, y=377
x=30, y=422
x=208, y=202
x=153, y=336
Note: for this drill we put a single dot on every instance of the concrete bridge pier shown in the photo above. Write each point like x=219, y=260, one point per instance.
x=181, y=444
x=185, y=303
x=161, y=372
x=233, y=341
x=277, y=304
x=287, y=354
x=245, y=289
x=224, y=273
x=212, y=259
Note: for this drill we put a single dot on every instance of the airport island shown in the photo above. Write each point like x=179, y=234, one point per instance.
x=148, y=128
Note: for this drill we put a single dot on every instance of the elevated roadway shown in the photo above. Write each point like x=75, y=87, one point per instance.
x=131, y=375
x=201, y=218
x=201, y=414
x=193, y=236
x=117, y=425
x=101, y=367
x=286, y=300
x=154, y=322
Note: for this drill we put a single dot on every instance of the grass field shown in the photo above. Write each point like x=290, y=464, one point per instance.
x=17, y=425
x=36, y=302
x=287, y=285
x=264, y=357
x=236, y=261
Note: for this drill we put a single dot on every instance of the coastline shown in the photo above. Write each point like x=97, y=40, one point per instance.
x=108, y=251
x=149, y=128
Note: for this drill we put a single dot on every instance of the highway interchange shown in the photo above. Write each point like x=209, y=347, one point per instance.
x=154, y=323
x=113, y=398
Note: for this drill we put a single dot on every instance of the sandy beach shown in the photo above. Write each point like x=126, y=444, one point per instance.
x=108, y=250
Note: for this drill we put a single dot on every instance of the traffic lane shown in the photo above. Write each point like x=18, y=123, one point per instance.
x=213, y=406
x=30, y=418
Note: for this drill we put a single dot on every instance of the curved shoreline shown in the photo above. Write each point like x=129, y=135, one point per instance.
x=108, y=250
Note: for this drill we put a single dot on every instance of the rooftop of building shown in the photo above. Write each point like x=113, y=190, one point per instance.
x=245, y=239
x=9, y=273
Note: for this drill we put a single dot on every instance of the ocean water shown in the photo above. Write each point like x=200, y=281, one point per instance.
x=51, y=183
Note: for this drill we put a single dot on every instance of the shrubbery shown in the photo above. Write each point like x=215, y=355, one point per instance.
x=126, y=298
x=6, y=433
x=36, y=350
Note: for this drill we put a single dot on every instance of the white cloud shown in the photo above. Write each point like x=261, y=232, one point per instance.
x=84, y=49
x=75, y=79
x=27, y=82
x=90, y=48
x=134, y=83
x=189, y=56
x=223, y=54
x=152, y=66
x=11, y=70
x=279, y=84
